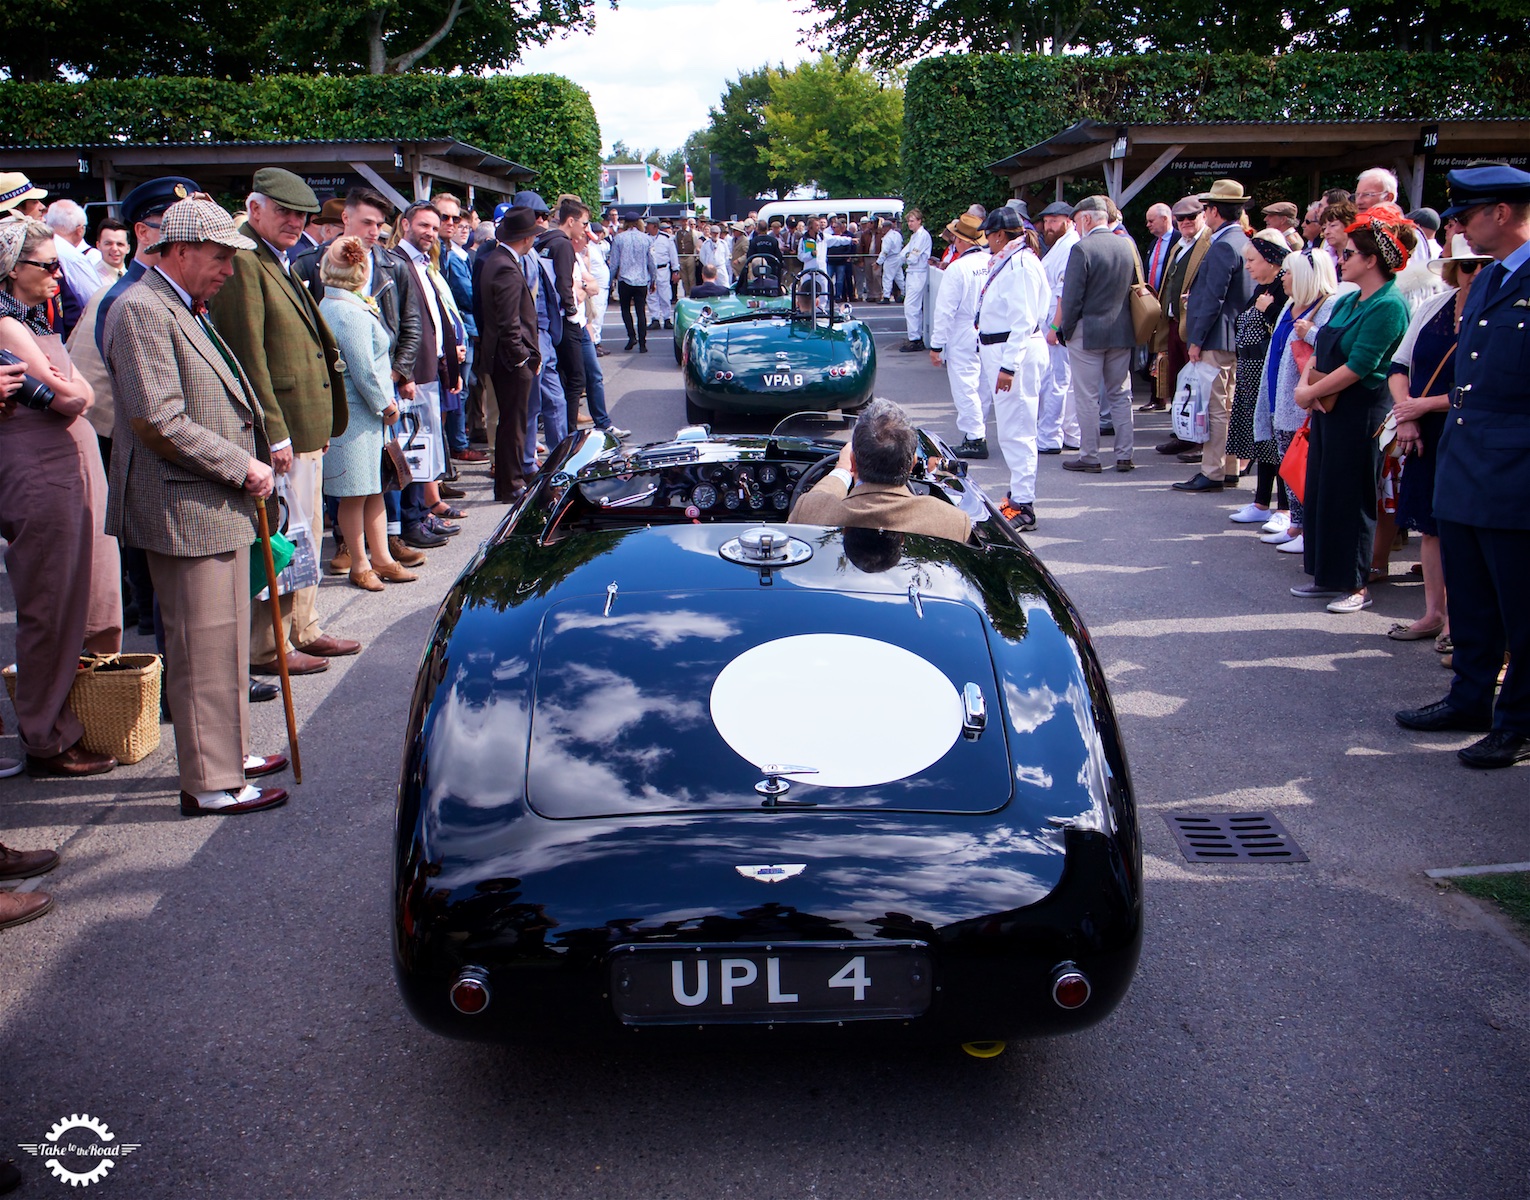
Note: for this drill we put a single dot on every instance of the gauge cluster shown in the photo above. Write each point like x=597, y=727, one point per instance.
x=697, y=490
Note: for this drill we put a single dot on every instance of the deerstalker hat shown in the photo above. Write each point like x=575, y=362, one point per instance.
x=197, y=221
x=286, y=189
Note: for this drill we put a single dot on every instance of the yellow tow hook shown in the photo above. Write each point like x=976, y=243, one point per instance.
x=984, y=1049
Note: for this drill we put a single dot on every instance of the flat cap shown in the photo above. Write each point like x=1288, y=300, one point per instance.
x=1093, y=205
x=286, y=189
x=1020, y=206
x=197, y=221
x=1471, y=186
x=1190, y=206
x=1426, y=217
x=156, y=195
x=1281, y=208
x=1003, y=220
x=1060, y=208
x=530, y=200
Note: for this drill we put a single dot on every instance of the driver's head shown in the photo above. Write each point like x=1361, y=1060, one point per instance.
x=884, y=444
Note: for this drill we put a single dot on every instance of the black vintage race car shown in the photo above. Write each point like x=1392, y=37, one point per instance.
x=676, y=767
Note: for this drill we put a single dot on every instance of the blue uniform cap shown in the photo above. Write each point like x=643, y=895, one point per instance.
x=1472, y=186
x=501, y=209
x=155, y=196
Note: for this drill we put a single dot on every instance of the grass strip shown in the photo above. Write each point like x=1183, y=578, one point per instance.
x=1510, y=892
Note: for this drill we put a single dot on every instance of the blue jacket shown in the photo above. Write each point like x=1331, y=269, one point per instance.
x=1220, y=291
x=459, y=277
x=1482, y=474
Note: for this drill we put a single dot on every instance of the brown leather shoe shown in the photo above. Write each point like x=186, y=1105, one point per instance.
x=341, y=563
x=393, y=573
x=366, y=579
x=406, y=555
x=451, y=492
x=329, y=646
x=17, y=908
x=70, y=764
x=298, y=663
x=473, y=456
x=253, y=800
x=23, y=864
x=269, y=764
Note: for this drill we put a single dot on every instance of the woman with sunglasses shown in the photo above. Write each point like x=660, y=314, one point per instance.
x=1345, y=389
x=64, y=570
x=1422, y=374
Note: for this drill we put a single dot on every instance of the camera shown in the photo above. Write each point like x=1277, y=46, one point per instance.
x=33, y=393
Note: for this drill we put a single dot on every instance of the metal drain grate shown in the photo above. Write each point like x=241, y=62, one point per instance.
x=1232, y=837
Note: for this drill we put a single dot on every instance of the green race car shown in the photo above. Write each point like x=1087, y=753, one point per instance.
x=759, y=287
x=808, y=356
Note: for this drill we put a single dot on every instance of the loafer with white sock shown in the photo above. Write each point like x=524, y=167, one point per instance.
x=1279, y=522
x=1249, y=514
x=1292, y=546
x=231, y=802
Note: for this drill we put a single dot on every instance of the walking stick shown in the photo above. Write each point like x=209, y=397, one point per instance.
x=281, y=641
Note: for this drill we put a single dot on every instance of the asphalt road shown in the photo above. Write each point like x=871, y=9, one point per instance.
x=220, y=991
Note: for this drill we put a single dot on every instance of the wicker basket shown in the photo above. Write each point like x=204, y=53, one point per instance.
x=116, y=698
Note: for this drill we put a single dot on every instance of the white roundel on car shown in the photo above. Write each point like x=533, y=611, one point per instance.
x=859, y=711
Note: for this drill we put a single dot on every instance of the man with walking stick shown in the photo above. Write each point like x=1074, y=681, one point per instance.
x=190, y=465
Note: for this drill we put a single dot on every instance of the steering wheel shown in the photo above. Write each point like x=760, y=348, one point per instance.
x=811, y=476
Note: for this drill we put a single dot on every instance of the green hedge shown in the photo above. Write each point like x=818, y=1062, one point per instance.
x=964, y=111
x=543, y=122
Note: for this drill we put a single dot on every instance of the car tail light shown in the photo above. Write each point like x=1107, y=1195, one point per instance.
x=727, y=374
x=1070, y=987
x=470, y=993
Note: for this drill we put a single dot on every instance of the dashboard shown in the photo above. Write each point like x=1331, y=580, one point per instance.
x=697, y=491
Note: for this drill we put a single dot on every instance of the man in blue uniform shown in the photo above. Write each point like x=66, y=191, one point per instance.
x=1482, y=478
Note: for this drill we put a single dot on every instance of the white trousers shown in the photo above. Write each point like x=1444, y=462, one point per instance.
x=661, y=306
x=598, y=316
x=1015, y=411
x=892, y=273
x=914, y=288
x=964, y=372
x=1058, y=420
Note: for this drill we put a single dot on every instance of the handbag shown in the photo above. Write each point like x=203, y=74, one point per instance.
x=116, y=698
x=1293, y=464
x=396, y=475
x=1146, y=311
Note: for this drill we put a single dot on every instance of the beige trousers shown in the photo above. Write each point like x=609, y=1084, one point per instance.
x=205, y=605
x=1215, y=464
x=300, y=614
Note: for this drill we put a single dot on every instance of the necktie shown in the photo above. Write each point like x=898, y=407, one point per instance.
x=1153, y=269
x=199, y=311
x=1495, y=277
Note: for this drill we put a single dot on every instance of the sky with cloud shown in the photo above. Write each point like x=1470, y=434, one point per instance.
x=654, y=67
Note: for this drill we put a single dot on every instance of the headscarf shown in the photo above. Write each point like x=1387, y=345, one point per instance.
x=1269, y=251
x=14, y=231
x=1386, y=223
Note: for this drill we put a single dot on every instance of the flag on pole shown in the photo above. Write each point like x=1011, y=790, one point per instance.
x=655, y=174
x=605, y=176
x=689, y=178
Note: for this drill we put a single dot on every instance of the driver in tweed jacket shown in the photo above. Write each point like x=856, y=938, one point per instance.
x=190, y=460
x=868, y=489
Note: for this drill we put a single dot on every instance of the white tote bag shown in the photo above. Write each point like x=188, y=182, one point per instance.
x=1192, y=401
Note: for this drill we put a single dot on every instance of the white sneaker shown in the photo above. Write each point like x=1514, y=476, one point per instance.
x=1279, y=522
x=1292, y=545
x=1278, y=537
x=1249, y=514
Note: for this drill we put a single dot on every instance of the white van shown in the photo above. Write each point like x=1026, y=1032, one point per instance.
x=855, y=208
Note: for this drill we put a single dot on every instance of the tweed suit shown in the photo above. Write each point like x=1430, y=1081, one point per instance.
x=187, y=426
x=880, y=506
x=272, y=324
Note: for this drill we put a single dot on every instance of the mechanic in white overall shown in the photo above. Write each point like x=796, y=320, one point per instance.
x=952, y=337
x=1057, y=424
x=1013, y=306
x=915, y=270
x=666, y=265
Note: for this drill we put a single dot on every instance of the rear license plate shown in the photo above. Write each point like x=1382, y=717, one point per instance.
x=782, y=379
x=753, y=984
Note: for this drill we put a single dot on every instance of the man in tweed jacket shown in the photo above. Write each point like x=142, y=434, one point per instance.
x=189, y=453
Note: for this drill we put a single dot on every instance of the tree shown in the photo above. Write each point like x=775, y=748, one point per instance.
x=836, y=124
x=890, y=33
x=737, y=135
x=49, y=39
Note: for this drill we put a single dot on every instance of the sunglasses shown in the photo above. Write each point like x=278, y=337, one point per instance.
x=52, y=266
x=1348, y=253
x=1467, y=266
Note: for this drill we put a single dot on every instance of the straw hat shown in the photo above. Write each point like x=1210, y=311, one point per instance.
x=969, y=227
x=1460, y=251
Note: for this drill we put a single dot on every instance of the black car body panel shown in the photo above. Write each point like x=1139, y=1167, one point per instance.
x=568, y=809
